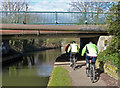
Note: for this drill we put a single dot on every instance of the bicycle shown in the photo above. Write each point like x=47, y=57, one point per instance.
x=90, y=71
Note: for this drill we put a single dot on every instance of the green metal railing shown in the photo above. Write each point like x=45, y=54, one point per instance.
x=52, y=18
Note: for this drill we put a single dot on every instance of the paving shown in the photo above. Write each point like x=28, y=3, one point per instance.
x=78, y=76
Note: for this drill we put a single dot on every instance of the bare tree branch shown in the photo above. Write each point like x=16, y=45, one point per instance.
x=89, y=6
x=12, y=5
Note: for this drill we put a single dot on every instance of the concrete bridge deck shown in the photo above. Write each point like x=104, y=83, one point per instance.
x=31, y=31
x=95, y=28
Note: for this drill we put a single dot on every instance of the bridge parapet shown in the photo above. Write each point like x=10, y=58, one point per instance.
x=53, y=18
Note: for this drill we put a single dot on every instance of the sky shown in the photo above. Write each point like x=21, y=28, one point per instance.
x=49, y=5
x=55, y=5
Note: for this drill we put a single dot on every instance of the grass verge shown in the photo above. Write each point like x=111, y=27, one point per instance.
x=60, y=77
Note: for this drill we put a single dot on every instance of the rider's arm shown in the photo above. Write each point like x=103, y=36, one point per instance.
x=97, y=49
x=69, y=49
x=66, y=48
x=83, y=51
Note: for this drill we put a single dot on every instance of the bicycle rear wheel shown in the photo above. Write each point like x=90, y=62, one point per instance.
x=74, y=63
x=87, y=70
x=92, y=73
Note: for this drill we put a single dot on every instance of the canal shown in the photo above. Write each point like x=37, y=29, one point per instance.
x=33, y=70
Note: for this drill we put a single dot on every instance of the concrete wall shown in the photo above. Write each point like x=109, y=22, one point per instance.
x=108, y=69
x=103, y=42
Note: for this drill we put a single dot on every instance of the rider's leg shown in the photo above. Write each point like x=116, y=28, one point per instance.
x=87, y=61
x=94, y=60
x=70, y=58
x=76, y=57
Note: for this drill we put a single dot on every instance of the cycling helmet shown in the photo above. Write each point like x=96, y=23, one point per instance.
x=73, y=42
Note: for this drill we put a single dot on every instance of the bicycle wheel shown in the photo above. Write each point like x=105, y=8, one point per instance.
x=92, y=77
x=87, y=70
x=74, y=63
x=91, y=72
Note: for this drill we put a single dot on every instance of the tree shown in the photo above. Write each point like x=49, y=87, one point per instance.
x=112, y=53
x=80, y=6
x=13, y=5
x=114, y=20
x=98, y=7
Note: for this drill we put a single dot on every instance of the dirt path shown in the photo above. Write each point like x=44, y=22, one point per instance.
x=78, y=76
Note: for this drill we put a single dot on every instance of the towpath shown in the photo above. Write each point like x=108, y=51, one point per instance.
x=79, y=77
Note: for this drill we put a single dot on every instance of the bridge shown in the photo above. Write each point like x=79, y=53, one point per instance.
x=35, y=23
x=31, y=24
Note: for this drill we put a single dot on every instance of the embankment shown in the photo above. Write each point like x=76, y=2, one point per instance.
x=11, y=56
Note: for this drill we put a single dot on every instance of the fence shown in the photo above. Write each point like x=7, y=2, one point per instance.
x=53, y=18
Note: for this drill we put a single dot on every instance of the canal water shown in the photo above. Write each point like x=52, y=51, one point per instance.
x=33, y=70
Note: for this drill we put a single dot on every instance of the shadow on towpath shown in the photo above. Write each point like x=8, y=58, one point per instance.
x=78, y=76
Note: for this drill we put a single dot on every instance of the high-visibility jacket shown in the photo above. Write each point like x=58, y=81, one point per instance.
x=90, y=49
x=73, y=48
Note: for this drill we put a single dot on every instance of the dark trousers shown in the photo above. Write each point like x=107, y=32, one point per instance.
x=73, y=54
x=88, y=58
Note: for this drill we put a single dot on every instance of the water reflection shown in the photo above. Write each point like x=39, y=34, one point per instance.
x=28, y=60
x=34, y=69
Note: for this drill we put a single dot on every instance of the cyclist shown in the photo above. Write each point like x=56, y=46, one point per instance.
x=91, y=52
x=74, y=50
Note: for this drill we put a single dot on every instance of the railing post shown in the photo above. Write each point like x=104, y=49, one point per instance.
x=23, y=17
x=85, y=21
x=2, y=17
x=6, y=17
x=56, y=17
